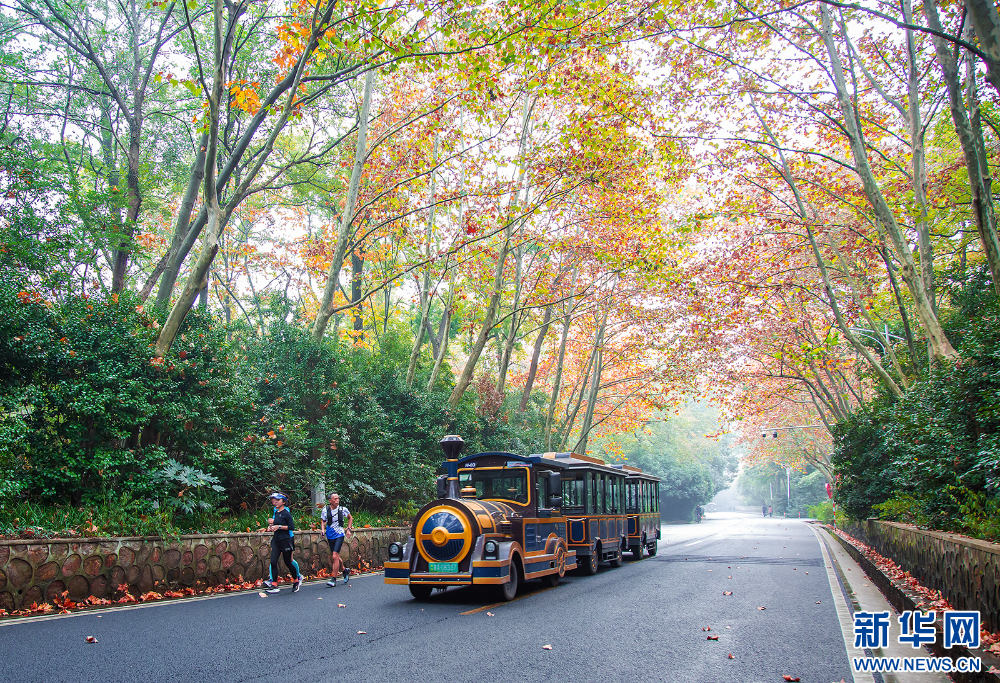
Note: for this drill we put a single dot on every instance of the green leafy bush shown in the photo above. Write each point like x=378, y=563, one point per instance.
x=932, y=457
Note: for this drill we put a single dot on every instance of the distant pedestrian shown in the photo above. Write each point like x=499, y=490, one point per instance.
x=332, y=521
x=699, y=513
x=770, y=511
x=282, y=543
x=763, y=508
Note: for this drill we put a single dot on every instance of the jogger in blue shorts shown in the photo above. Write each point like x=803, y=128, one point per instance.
x=337, y=523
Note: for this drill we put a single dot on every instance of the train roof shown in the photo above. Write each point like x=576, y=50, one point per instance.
x=529, y=459
x=579, y=461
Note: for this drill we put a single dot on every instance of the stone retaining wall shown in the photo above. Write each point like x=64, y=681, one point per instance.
x=965, y=570
x=38, y=571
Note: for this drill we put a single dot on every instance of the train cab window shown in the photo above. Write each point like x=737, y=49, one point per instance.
x=541, y=492
x=573, y=495
x=510, y=484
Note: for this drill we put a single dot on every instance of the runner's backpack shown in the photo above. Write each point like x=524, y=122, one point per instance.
x=340, y=515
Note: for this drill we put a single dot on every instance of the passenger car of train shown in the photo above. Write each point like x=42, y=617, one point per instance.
x=502, y=518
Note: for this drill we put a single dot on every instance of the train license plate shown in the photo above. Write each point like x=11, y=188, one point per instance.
x=444, y=567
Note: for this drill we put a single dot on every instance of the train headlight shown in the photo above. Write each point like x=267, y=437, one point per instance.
x=395, y=551
x=491, y=550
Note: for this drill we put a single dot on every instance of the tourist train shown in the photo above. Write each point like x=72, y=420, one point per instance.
x=501, y=519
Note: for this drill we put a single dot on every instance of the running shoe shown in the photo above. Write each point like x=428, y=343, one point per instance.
x=274, y=589
x=347, y=575
x=268, y=584
x=332, y=584
x=298, y=585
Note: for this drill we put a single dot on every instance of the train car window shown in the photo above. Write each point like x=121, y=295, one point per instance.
x=573, y=498
x=645, y=496
x=509, y=484
x=656, y=496
x=591, y=494
x=630, y=497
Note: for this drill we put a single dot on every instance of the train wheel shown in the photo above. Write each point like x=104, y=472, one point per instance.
x=616, y=561
x=553, y=579
x=589, y=565
x=509, y=589
x=420, y=592
x=652, y=548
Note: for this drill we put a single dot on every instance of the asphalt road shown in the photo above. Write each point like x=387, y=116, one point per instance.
x=642, y=622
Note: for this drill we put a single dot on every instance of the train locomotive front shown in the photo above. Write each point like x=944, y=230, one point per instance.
x=502, y=527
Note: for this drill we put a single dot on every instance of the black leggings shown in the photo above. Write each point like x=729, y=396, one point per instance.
x=284, y=550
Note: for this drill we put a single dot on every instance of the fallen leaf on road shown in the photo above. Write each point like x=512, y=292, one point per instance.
x=729, y=627
x=262, y=594
x=706, y=628
x=362, y=632
x=731, y=656
x=489, y=614
x=789, y=678
x=98, y=616
x=761, y=608
x=546, y=647
x=91, y=639
x=807, y=573
x=341, y=605
x=319, y=598
x=819, y=602
x=709, y=570
x=729, y=577
x=712, y=637
x=795, y=569
x=727, y=592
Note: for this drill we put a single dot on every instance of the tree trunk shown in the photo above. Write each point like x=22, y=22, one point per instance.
x=515, y=324
x=443, y=346
x=357, y=273
x=425, y=294
x=940, y=346
x=986, y=21
x=347, y=216
x=595, y=386
x=182, y=226
x=560, y=361
x=484, y=333
x=470, y=366
x=535, y=354
x=981, y=199
x=198, y=278
x=914, y=122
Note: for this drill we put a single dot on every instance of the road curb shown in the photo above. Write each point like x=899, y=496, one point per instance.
x=902, y=601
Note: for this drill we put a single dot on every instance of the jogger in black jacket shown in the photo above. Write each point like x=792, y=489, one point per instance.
x=282, y=543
